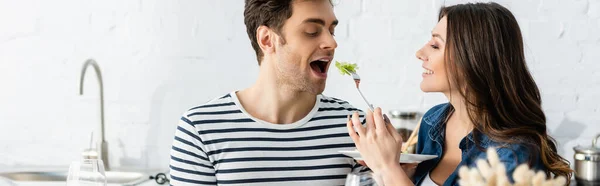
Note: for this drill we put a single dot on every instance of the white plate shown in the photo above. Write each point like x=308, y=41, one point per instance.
x=404, y=158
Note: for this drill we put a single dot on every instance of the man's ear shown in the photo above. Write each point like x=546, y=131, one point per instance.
x=266, y=39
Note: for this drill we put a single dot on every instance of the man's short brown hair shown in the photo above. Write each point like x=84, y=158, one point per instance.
x=271, y=13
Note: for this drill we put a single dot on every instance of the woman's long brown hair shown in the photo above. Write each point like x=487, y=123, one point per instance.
x=486, y=61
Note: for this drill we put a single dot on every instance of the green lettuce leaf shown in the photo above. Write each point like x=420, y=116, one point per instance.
x=345, y=68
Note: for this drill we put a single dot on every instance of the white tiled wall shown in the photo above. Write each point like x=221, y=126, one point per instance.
x=159, y=58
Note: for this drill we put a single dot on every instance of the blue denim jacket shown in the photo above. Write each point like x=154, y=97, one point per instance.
x=431, y=141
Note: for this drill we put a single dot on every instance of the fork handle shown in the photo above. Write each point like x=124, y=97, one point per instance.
x=372, y=109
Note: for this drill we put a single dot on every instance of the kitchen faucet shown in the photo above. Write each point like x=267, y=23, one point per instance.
x=103, y=145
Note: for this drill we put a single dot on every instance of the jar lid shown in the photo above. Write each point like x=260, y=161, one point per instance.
x=594, y=149
x=587, y=150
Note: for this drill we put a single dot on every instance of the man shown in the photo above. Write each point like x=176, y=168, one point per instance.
x=281, y=130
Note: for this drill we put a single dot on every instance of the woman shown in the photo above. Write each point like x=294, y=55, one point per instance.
x=475, y=57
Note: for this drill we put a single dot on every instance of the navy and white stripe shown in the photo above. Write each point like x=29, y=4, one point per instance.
x=218, y=143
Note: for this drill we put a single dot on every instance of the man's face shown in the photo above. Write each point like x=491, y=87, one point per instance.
x=306, y=46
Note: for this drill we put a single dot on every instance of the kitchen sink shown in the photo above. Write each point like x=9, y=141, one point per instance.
x=59, y=174
x=112, y=177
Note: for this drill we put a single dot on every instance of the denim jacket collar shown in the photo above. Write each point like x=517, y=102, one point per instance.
x=437, y=122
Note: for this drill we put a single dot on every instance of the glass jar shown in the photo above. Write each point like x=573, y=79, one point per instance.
x=405, y=122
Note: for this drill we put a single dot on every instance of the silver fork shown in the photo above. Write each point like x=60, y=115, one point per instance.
x=357, y=82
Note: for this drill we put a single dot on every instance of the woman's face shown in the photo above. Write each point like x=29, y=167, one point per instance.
x=435, y=78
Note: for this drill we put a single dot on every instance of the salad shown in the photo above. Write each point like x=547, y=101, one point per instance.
x=346, y=68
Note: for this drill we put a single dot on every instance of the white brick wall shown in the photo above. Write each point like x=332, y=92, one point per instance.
x=159, y=58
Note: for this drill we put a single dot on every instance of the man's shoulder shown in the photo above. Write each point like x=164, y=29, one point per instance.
x=336, y=103
x=221, y=103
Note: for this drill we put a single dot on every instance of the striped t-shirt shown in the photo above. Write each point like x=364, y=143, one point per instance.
x=219, y=143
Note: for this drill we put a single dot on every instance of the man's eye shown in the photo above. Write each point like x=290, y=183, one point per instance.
x=312, y=33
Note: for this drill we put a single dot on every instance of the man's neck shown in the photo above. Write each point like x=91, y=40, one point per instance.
x=273, y=103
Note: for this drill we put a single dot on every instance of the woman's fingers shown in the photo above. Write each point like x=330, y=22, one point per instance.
x=370, y=124
x=352, y=132
x=380, y=125
x=394, y=133
x=357, y=125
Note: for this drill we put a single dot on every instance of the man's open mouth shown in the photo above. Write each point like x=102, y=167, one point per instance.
x=320, y=65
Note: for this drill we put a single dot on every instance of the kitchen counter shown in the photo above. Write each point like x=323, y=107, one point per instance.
x=61, y=172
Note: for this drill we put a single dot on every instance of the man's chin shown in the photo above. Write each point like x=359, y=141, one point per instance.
x=318, y=89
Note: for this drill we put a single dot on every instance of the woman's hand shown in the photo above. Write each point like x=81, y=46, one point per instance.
x=378, y=143
x=409, y=168
x=380, y=146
